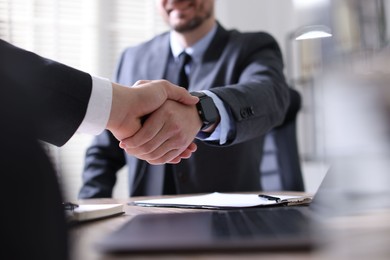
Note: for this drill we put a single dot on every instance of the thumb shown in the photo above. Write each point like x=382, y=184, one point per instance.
x=179, y=94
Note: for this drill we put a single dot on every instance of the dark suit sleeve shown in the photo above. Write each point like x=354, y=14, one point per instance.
x=55, y=95
x=45, y=99
x=258, y=100
x=30, y=196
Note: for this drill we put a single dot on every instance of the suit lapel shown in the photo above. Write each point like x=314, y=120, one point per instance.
x=204, y=76
x=217, y=45
x=158, y=58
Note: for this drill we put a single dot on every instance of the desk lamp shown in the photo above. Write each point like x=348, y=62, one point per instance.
x=303, y=33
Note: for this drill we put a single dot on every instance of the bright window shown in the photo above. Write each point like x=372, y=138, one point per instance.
x=85, y=34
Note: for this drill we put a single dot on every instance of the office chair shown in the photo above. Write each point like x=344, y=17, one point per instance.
x=280, y=166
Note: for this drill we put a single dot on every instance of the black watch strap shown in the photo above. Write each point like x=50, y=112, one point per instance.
x=207, y=111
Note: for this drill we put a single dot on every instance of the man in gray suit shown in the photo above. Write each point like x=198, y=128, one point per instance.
x=241, y=73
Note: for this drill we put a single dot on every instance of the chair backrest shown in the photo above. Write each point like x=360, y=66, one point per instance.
x=281, y=165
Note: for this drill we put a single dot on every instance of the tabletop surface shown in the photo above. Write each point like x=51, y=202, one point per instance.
x=358, y=236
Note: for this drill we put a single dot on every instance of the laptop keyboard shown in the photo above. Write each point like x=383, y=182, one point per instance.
x=258, y=222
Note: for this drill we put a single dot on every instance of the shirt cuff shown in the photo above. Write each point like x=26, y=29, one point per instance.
x=99, y=107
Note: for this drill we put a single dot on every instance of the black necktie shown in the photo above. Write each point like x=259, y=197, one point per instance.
x=182, y=81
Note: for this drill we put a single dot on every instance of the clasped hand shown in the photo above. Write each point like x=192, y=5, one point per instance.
x=167, y=132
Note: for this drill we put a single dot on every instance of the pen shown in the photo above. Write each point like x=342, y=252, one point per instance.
x=69, y=205
x=268, y=197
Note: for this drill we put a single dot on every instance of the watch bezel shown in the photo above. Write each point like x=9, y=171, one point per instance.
x=207, y=110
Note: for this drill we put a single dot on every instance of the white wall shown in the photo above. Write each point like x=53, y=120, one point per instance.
x=275, y=16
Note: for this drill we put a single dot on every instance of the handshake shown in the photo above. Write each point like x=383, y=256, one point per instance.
x=155, y=121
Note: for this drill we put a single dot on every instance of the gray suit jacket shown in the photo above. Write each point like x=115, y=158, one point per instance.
x=246, y=71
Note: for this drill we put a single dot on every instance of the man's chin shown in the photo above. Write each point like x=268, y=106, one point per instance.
x=178, y=26
x=187, y=26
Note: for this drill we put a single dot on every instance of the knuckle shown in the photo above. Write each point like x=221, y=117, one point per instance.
x=179, y=141
x=139, y=82
x=146, y=149
x=175, y=128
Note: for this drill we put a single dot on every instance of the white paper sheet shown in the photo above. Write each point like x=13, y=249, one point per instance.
x=218, y=200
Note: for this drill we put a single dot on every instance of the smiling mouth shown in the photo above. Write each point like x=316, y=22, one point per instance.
x=179, y=6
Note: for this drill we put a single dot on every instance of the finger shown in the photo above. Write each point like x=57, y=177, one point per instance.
x=183, y=155
x=173, y=145
x=169, y=140
x=172, y=155
x=160, y=155
x=149, y=145
x=187, y=153
x=179, y=94
x=175, y=161
x=168, y=137
x=149, y=137
x=192, y=147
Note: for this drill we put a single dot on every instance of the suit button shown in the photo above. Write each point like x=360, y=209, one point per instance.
x=247, y=111
x=251, y=111
x=244, y=114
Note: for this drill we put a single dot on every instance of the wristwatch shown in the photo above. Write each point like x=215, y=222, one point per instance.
x=207, y=111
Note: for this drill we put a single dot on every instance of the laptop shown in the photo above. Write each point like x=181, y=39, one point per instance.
x=250, y=229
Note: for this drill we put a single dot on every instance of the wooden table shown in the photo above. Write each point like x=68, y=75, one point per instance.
x=363, y=236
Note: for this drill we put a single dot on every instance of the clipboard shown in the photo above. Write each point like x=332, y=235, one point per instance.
x=218, y=200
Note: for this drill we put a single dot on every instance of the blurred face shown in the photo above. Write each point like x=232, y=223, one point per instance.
x=186, y=15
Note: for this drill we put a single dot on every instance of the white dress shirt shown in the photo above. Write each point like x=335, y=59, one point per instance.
x=99, y=107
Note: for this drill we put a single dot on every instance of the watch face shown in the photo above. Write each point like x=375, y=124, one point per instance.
x=207, y=111
x=210, y=113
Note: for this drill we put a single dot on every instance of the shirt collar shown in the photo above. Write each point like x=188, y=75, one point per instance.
x=197, y=50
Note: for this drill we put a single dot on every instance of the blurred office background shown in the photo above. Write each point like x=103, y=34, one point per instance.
x=90, y=35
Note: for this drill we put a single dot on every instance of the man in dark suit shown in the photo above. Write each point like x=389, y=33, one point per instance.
x=242, y=73
x=44, y=100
